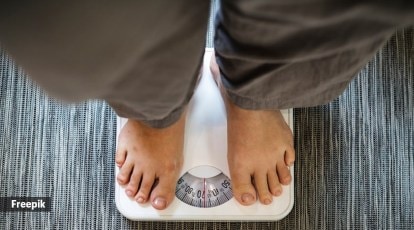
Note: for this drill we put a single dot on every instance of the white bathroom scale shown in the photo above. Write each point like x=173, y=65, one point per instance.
x=203, y=191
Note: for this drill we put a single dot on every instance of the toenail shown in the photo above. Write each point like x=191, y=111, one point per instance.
x=140, y=200
x=160, y=203
x=247, y=198
x=267, y=201
x=129, y=192
x=278, y=192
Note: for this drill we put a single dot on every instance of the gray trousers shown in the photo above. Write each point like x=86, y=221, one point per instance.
x=144, y=58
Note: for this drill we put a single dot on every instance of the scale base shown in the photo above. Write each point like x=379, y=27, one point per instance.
x=206, y=144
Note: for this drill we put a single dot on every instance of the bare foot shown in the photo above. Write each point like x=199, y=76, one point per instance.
x=150, y=160
x=260, y=151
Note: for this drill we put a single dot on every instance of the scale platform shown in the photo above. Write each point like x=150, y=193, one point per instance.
x=203, y=192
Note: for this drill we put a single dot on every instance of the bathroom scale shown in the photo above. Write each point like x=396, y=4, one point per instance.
x=203, y=191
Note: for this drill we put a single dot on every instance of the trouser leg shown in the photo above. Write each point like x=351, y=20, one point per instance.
x=283, y=54
x=141, y=57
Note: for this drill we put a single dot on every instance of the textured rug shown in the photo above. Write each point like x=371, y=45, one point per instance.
x=354, y=170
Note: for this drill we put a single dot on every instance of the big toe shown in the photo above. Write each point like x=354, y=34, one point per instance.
x=243, y=189
x=163, y=193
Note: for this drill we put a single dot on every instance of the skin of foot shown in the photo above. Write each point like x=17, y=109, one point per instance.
x=260, y=150
x=150, y=160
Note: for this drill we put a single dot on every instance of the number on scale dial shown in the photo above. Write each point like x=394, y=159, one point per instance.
x=204, y=192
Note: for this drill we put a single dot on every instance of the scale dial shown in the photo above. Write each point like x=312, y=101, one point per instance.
x=203, y=191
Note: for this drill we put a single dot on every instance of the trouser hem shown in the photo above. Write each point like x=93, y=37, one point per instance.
x=282, y=103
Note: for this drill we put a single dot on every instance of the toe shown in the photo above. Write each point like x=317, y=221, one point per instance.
x=145, y=188
x=163, y=193
x=262, y=188
x=243, y=189
x=133, y=184
x=274, y=184
x=290, y=156
x=283, y=173
x=120, y=156
x=125, y=173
